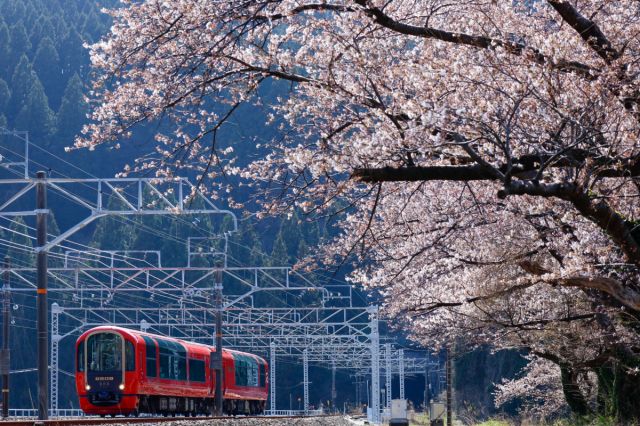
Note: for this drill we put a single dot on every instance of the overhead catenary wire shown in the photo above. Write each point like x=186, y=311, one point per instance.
x=144, y=228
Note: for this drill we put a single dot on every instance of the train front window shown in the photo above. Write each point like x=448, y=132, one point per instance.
x=104, y=352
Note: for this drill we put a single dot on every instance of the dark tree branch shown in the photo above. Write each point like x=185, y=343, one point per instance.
x=416, y=174
x=522, y=167
x=587, y=29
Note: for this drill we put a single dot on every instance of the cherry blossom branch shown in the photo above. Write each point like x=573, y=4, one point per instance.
x=598, y=211
x=481, y=42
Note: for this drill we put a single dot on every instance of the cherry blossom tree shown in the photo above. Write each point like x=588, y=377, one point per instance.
x=487, y=150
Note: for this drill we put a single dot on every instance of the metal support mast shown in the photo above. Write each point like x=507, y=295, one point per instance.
x=56, y=310
x=5, y=356
x=305, y=379
x=42, y=307
x=426, y=385
x=387, y=371
x=449, y=389
x=272, y=377
x=333, y=385
x=401, y=371
x=218, y=354
x=375, y=366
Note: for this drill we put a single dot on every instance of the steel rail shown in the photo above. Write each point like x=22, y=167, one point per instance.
x=137, y=420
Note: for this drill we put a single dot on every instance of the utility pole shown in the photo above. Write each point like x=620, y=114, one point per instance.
x=5, y=358
x=218, y=354
x=449, y=388
x=42, y=307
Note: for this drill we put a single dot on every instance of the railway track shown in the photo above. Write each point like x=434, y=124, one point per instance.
x=133, y=420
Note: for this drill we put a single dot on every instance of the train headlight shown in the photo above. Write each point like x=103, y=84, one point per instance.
x=121, y=387
x=87, y=387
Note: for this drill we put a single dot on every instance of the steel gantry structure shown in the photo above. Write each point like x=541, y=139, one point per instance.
x=108, y=288
x=270, y=310
x=176, y=301
x=100, y=198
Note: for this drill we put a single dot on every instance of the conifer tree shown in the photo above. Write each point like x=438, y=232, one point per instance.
x=247, y=246
x=60, y=29
x=5, y=49
x=73, y=57
x=3, y=123
x=35, y=115
x=5, y=96
x=13, y=11
x=279, y=254
x=43, y=28
x=173, y=253
x=20, y=44
x=112, y=233
x=21, y=250
x=21, y=83
x=46, y=64
x=92, y=26
x=73, y=110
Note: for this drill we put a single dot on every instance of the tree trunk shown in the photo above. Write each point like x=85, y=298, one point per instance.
x=573, y=395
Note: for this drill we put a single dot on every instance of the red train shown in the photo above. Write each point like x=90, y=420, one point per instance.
x=122, y=371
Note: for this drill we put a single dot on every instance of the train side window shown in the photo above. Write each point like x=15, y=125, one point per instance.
x=130, y=356
x=263, y=375
x=239, y=366
x=173, y=360
x=181, y=355
x=80, y=357
x=152, y=356
x=246, y=370
x=253, y=372
x=196, y=371
x=166, y=364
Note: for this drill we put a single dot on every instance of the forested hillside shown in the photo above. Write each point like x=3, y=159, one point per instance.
x=44, y=65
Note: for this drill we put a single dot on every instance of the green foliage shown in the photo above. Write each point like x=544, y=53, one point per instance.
x=73, y=110
x=43, y=40
x=20, y=43
x=73, y=57
x=46, y=64
x=279, y=256
x=36, y=114
x=494, y=422
x=5, y=96
x=112, y=232
x=19, y=237
x=22, y=80
x=5, y=47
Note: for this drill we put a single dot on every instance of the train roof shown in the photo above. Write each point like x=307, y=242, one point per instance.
x=138, y=333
